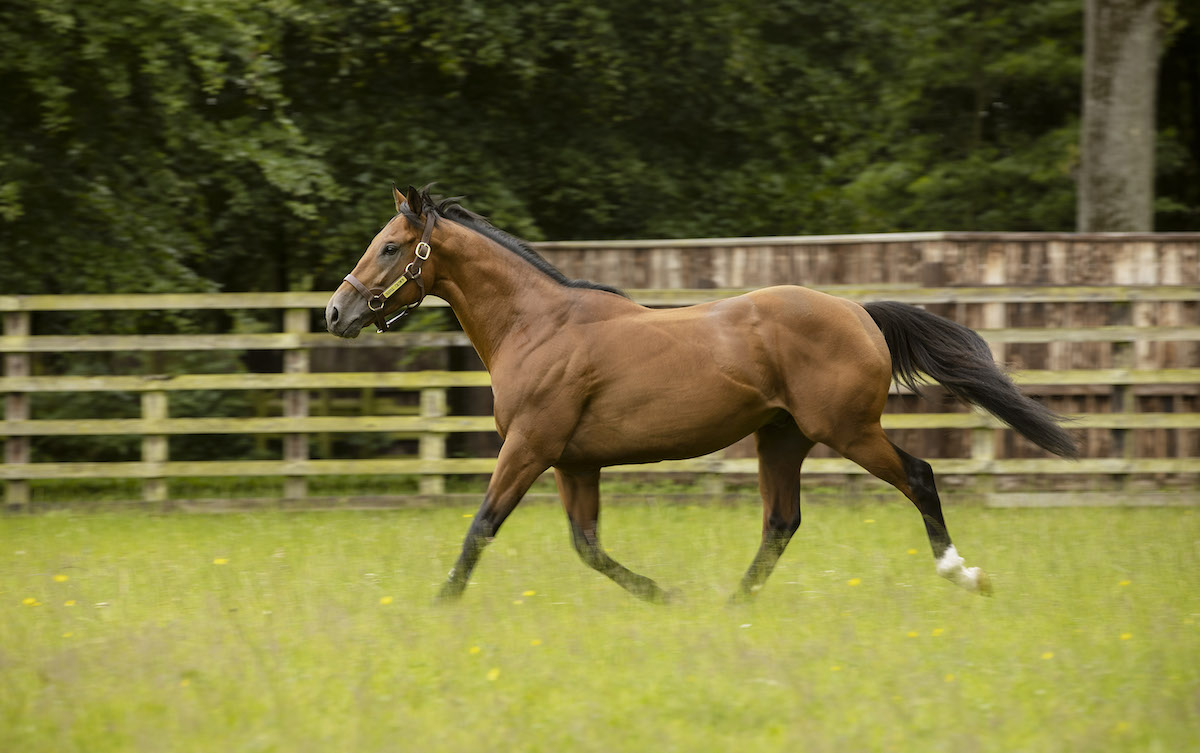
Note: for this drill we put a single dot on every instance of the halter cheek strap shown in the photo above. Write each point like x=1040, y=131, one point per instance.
x=377, y=297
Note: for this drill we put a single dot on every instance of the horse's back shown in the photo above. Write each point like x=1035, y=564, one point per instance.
x=809, y=326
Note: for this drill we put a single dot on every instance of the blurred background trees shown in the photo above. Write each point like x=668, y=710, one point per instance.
x=239, y=145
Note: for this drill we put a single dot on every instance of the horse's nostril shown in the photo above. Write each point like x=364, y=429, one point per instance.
x=333, y=314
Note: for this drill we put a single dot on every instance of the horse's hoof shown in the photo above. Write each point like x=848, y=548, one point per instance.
x=742, y=597
x=448, y=594
x=658, y=595
x=983, y=584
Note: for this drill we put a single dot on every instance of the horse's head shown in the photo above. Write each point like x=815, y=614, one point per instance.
x=387, y=282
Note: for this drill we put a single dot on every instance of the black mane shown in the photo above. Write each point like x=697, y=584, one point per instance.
x=452, y=210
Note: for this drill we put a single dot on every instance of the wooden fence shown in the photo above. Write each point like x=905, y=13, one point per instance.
x=1106, y=328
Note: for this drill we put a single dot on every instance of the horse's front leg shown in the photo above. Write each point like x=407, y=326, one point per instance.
x=516, y=470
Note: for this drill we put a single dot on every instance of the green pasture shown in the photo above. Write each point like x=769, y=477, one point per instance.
x=315, y=632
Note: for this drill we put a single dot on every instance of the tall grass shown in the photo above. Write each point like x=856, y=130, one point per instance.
x=316, y=632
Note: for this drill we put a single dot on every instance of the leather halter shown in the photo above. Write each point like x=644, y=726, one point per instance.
x=377, y=297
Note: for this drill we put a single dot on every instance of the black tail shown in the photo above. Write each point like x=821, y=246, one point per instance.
x=959, y=359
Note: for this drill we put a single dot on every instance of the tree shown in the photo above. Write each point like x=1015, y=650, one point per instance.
x=1122, y=42
x=138, y=137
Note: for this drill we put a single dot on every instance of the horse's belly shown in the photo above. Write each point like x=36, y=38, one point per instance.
x=668, y=431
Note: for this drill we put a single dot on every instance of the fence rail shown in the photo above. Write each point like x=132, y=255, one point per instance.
x=1124, y=372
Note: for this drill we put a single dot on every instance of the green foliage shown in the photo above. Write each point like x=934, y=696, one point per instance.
x=248, y=146
x=140, y=138
x=1178, y=158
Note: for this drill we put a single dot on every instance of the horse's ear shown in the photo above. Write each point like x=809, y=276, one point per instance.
x=415, y=201
x=399, y=197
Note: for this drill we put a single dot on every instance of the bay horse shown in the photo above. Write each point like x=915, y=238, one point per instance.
x=583, y=378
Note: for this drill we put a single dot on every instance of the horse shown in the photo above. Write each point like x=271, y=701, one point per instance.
x=583, y=378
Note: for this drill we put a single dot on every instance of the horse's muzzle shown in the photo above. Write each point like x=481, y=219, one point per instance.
x=342, y=317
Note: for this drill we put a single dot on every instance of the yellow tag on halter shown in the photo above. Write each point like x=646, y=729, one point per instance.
x=395, y=286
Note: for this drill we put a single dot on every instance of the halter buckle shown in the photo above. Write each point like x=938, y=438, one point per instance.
x=425, y=246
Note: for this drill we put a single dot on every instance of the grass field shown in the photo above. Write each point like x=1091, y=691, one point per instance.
x=316, y=632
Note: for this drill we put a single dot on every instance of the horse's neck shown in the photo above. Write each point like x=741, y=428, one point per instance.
x=499, y=298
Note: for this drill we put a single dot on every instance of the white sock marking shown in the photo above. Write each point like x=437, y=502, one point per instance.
x=950, y=567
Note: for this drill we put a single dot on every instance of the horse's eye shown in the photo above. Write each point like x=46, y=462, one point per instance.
x=390, y=249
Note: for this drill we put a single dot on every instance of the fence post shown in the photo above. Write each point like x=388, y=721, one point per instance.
x=983, y=451
x=713, y=482
x=295, y=404
x=1124, y=356
x=995, y=315
x=433, y=444
x=155, y=450
x=16, y=408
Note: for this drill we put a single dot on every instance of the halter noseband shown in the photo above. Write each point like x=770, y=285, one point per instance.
x=377, y=297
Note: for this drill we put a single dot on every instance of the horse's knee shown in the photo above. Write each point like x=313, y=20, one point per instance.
x=782, y=524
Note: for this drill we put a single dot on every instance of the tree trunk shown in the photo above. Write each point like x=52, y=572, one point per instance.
x=1122, y=41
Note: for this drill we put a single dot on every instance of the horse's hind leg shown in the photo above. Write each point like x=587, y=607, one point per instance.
x=914, y=478
x=580, y=492
x=781, y=448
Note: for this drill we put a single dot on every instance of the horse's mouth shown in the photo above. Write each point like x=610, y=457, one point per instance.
x=345, y=332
